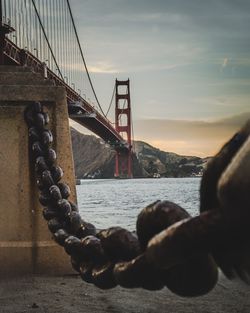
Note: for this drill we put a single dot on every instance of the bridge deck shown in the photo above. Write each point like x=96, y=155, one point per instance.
x=86, y=115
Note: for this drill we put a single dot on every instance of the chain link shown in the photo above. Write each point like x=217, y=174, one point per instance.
x=169, y=247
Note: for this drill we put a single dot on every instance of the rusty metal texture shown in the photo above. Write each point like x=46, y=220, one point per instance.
x=169, y=248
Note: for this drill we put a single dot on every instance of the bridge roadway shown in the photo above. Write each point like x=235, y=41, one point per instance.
x=79, y=109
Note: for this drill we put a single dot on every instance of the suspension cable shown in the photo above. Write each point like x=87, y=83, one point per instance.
x=111, y=101
x=46, y=38
x=133, y=134
x=83, y=59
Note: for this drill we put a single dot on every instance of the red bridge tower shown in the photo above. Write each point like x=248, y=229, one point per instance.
x=123, y=160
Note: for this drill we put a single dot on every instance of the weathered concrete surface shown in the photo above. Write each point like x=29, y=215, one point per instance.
x=68, y=294
x=32, y=93
x=25, y=242
x=16, y=69
x=22, y=78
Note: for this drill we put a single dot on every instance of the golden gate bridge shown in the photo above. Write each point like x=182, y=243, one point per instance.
x=42, y=35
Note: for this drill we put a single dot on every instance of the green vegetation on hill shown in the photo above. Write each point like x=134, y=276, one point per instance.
x=168, y=164
x=95, y=159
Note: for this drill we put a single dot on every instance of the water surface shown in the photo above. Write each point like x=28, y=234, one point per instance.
x=114, y=202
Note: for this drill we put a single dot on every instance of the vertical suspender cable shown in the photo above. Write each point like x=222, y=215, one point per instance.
x=45, y=24
x=7, y=8
x=54, y=27
x=65, y=53
x=1, y=12
x=20, y=22
x=68, y=49
x=33, y=35
x=17, y=30
x=19, y=35
x=58, y=28
x=10, y=16
x=69, y=44
x=46, y=27
x=133, y=135
x=111, y=101
x=25, y=24
x=44, y=47
x=13, y=16
x=52, y=24
x=60, y=36
x=9, y=12
x=83, y=59
x=49, y=30
x=74, y=52
x=4, y=10
x=35, y=32
x=63, y=39
x=30, y=31
x=40, y=35
x=38, y=39
x=49, y=25
x=46, y=38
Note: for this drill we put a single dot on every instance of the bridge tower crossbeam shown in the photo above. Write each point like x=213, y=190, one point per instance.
x=123, y=160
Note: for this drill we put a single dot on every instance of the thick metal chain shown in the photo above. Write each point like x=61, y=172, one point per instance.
x=169, y=248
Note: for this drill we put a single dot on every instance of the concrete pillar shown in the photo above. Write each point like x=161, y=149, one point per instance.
x=26, y=245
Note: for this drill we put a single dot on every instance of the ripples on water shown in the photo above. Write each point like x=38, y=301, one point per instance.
x=114, y=202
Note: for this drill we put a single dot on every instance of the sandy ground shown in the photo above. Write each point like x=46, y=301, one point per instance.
x=69, y=294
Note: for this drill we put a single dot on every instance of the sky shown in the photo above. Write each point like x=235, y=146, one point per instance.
x=188, y=62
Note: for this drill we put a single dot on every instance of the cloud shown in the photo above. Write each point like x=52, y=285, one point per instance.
x=102, y=68
x=201, y=138
x=191, y=57
x=224, y=64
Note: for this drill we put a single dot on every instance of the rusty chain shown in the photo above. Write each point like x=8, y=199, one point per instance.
x=169, y=248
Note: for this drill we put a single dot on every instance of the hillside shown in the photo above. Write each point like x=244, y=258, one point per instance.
x=168, y=164
x=95, y=159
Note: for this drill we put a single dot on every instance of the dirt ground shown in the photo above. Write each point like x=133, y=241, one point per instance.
x=69, y=294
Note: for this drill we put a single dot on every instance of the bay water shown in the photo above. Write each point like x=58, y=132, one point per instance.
x=117, y=202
